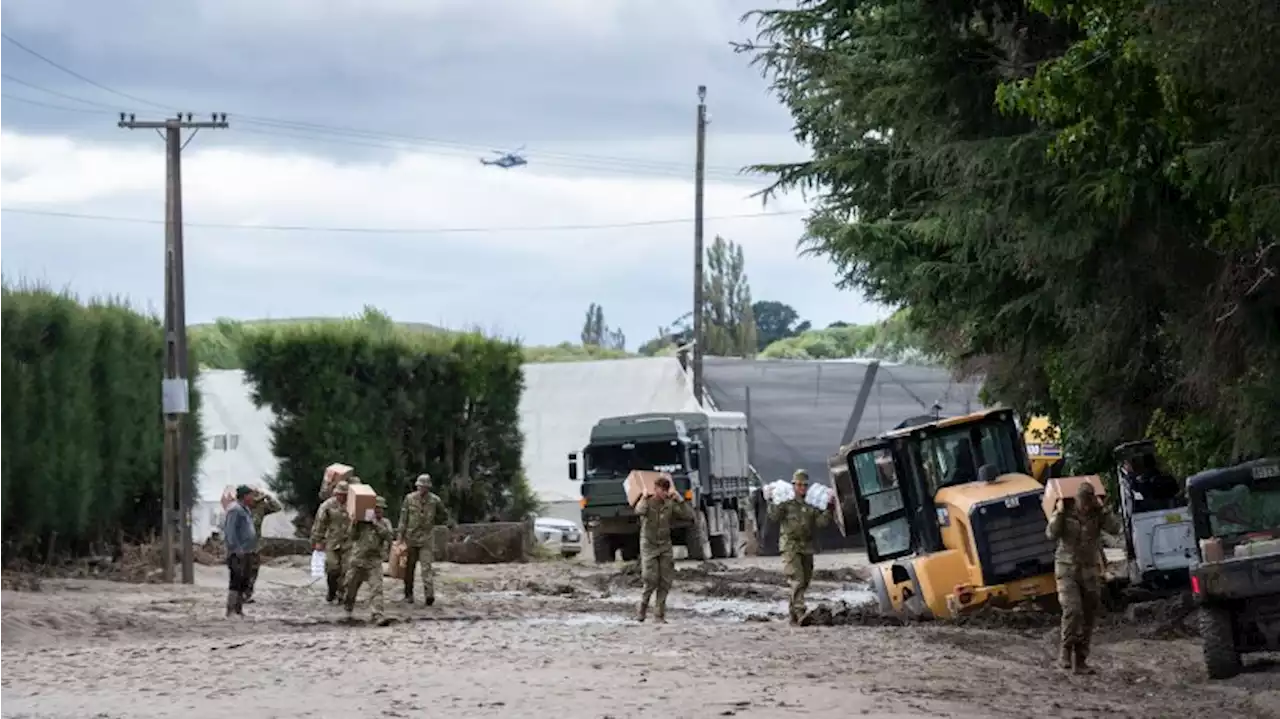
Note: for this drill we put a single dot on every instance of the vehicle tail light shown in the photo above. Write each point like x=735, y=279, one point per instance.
x=688, y=495
x=1195, y=584
x=582, y=502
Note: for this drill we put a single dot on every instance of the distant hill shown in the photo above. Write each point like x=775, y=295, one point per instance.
x=411, y=326
x=217, y=344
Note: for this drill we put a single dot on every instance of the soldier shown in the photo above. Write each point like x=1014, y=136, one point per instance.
x=263, y=504
x=657, y=560
x=369, y=544
x=329, y=534
x=240, y=543
x=417, y=530
x=797, y=522
x=1077, y=525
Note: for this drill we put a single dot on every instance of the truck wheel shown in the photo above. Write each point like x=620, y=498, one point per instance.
x=602, y=547
x=1217, y=634
x=631, y=548
x=695, y=538
x=719, y=546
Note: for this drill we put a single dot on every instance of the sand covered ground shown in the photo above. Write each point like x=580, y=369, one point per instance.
x=555, y=639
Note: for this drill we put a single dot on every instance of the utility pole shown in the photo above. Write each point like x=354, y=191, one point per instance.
x=699, y=177
x=175, y=392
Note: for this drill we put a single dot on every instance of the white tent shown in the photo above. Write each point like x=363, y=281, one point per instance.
x=237, y=451
x=563, y=400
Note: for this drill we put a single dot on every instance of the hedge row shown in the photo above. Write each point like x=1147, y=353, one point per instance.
x=392, y=404
x=83, y=433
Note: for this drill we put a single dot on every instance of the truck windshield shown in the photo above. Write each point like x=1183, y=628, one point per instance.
x=620, y=460
x=1244, y=509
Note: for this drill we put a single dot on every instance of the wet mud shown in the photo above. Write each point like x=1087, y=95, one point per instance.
x=559, y=637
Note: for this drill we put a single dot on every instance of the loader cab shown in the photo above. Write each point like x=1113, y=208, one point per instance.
x=1158, y=532
x=894, y=479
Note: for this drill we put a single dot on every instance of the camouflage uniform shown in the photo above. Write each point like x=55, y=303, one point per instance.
x=797, y=523
x=369, y=543
x=263, y=504
x=657, y=559
x=1078, y=532
x=330, y=532
x=417, y=530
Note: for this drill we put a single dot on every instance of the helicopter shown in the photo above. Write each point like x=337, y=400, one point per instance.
x=507, y=160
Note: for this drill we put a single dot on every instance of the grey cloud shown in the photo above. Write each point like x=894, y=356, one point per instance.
x=474, y=70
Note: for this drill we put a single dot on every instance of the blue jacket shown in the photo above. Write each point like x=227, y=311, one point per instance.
x=237, y=533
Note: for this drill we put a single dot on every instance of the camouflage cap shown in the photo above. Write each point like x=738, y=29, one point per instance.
x=424, y=480
x=1086, y=490
x=800, y=475
x=381, y=502
x=341, y=488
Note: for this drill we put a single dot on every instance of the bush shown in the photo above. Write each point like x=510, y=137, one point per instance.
x=83, y=434
x=393, y=404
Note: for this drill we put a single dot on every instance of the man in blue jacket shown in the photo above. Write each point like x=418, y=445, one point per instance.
x=241, y=541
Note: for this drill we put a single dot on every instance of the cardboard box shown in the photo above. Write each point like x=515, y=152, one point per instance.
x=333, y=474
x=1066, y=487
x=1211, y=550
x=641, y=481
x=399, y=559
x=361, y=501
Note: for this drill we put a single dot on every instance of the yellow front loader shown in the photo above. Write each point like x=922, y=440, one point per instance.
x=950, y=514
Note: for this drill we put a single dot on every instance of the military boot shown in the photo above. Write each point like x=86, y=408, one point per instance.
x=331, y=595
x=408, y=596
x=1080, y=663
x=644, y=611
x=1065, y=657
x=431, y=599
x=231, y=603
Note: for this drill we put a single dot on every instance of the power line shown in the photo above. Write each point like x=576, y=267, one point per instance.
x=395, y=230
x=51, y=106
x=350, y=131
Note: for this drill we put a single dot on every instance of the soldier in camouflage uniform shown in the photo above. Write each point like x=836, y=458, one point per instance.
x=369, y=544
x=1077, y=527
x=797, y=523
x=329, y=534
x=657, y=559
x=417, y=530
x=263, y=504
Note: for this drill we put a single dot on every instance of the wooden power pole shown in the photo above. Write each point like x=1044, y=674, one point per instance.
x=175, y=392
x=698, y=301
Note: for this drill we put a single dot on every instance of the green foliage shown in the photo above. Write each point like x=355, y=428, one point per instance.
x=893, y=339
x=1189, y=444
x=568, y=352
x=774, y=321
x=394, y=404
x=1076, y=199
x=83, y=434
x=729, y=327
x=597, y=333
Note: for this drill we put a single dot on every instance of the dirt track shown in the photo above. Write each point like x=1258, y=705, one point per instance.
x=555, y=639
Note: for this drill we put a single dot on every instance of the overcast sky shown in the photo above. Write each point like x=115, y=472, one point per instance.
x=402, y=97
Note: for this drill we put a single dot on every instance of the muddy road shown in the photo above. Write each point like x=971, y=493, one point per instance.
x=556, y=639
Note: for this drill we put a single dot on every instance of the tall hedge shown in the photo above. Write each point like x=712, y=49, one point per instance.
x=392, y=404
x=83, y=432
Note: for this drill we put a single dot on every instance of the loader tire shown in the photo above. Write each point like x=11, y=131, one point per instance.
x=1217, y=635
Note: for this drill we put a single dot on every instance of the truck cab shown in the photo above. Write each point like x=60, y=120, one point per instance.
x=1159, y=538
x=950, y=514
x=705, y=455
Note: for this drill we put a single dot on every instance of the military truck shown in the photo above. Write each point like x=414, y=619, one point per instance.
x=706, y=455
